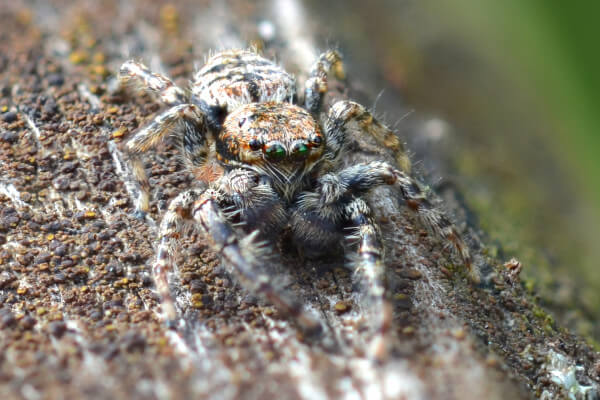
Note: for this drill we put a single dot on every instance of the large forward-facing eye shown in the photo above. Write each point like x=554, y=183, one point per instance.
x=275, y=152
x=299, y=151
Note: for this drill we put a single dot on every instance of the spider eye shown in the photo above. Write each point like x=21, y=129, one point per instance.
x=316, y=140
x=275, y=152
x=255, y=144
x=299, y=151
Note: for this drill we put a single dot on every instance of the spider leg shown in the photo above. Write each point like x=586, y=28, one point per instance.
x=347, y=116
x=174, y=220
x=357, y=179
x=434, y=219
x=318, y=221
x=138, y=75
x=244, y=258
x=316, y=84
x=187, y=123
x=369, y=270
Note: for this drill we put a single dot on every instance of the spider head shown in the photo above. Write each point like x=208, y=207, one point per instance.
x=278, y=139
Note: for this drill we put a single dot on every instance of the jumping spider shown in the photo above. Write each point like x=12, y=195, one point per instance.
x=264, y=165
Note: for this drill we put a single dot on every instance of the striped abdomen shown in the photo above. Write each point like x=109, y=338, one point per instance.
x=236, y=77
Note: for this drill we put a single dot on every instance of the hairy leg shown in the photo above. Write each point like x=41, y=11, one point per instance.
x=369, y=271
x=241, y=253
x=346, y=117
x=244, y=258
x=333, y=188
x=434, y=219
x=139, y=76
x=178, y=215
x=321, y=220
x=187, y=123
x=316, y=84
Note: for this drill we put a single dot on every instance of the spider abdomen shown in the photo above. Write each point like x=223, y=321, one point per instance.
x=235, y=77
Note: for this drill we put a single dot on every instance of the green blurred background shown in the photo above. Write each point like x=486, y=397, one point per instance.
x=518, y=82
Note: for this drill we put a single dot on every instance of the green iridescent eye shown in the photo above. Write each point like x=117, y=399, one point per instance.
x=300, y=150
x=275, y=152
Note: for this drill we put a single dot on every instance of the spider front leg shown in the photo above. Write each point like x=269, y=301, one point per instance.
x=318, y=221
x=244, y=258
x=369, y=270
x=360, y=178
x=187, y=123
x=347, y=117
x=316, y=84
x=139, y=76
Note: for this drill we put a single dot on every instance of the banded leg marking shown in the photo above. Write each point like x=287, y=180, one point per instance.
x=139, y=76
x=348, y=116
x=369, y=272
x=360, y=178
x=174, y=220
x=185, y=116
x=244, y=258
x=316, y=84
x=434, y=220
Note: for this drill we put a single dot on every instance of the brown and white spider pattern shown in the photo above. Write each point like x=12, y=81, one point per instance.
x=268, y=169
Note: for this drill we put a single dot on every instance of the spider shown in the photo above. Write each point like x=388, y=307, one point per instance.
x=267, y=167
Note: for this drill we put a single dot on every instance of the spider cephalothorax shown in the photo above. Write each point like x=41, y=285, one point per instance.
x=280, y=140
x=275, y=167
